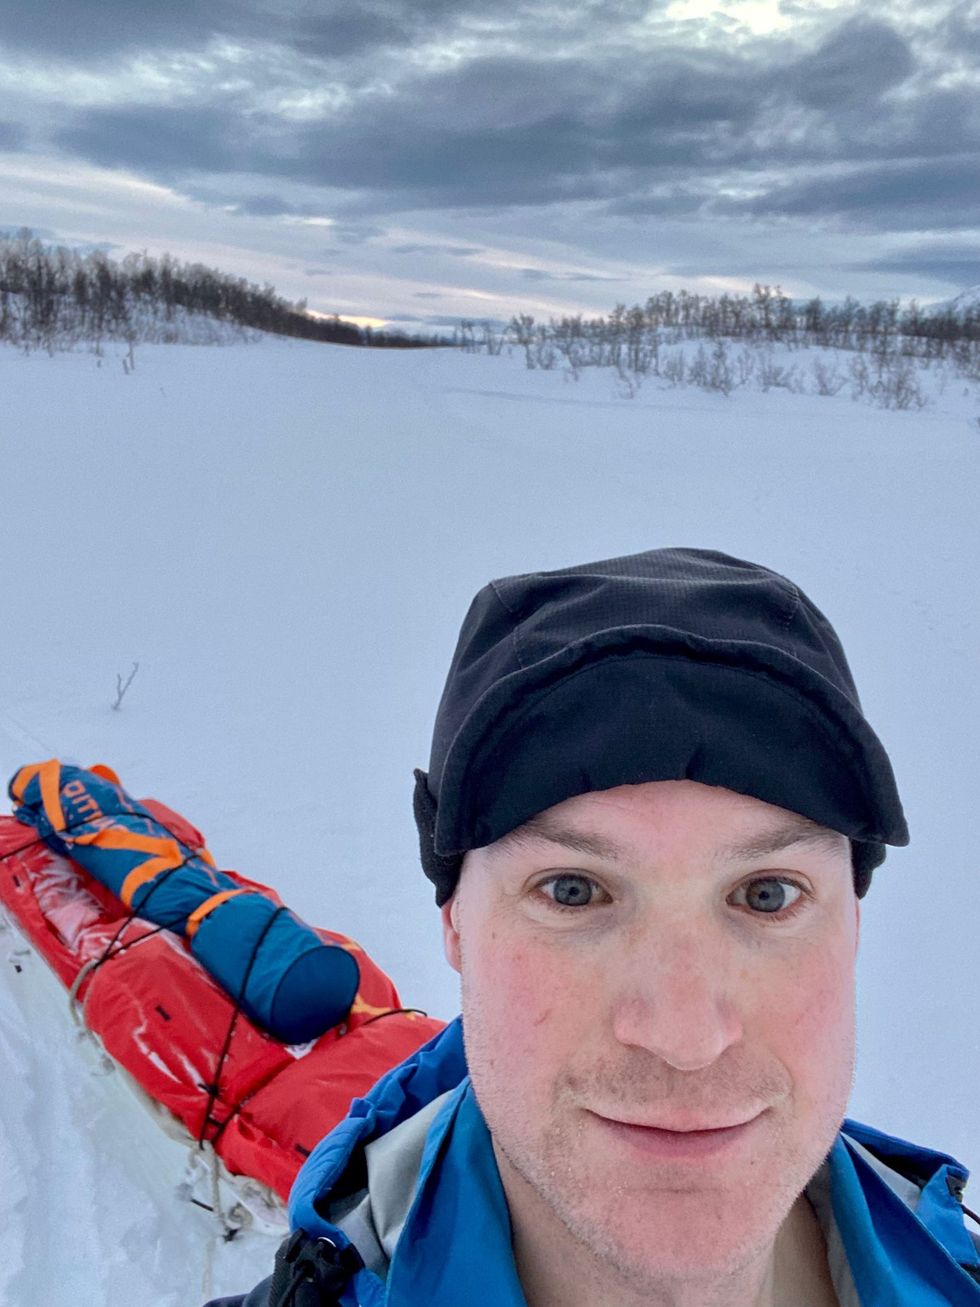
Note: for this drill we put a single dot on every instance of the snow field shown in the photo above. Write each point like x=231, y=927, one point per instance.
x=286, y=536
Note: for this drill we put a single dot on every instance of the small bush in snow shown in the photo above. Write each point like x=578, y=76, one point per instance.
x=827, y=380
x=673, y=369
x=122, y=686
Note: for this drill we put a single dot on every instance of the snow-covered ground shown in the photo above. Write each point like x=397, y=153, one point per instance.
x=285, y=537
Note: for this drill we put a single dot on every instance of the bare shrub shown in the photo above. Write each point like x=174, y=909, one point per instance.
x=898, y=385
x=745, y=361
x=712, y=371
x=522, y=331
x=776, y=376
x=628, y=383
x=493, y=342
x=891, y=383
x=673, y=368
x=861, y=383
x=827, y=380
x=122, y=686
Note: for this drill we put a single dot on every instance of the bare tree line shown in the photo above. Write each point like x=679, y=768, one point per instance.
x=54, y=298
x=876, y=351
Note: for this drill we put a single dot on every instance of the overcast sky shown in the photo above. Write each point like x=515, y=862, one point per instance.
x=425, y=160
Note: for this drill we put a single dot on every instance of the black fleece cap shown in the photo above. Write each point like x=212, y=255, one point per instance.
x=667, y=665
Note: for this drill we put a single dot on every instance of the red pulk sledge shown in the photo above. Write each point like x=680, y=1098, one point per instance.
x=191, y=1037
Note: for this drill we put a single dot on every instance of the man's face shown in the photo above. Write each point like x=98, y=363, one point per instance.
x=648, y=963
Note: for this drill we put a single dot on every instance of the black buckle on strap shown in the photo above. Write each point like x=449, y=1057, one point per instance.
x=312, y=1272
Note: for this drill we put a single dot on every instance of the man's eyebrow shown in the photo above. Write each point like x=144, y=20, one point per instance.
x=541, y=828
x=797, y=830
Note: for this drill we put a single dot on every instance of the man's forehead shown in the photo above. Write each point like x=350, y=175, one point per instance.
x=777, y=830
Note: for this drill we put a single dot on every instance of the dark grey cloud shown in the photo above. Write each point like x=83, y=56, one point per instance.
x=318, y=30
x=447, y=319
x=356, y=27
x=524, y=130
x=451, y=251
x=539, y=274
x=355, y=233
x=957, y=264
x=13, y=136
x=360, y=26
x=487, y=166
x=933, y=193
x=97, y=29
x=163, y=141
x=576, y=131
x=550, y=159
x=94, y=29
x=677, y=201
x=940, y=123
x=274, y=206
x=848, y=131
x=856, y=64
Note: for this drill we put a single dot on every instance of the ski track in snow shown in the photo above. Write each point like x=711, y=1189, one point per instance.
x=18, y=742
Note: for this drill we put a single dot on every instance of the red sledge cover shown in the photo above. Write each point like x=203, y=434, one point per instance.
x=162, y=1018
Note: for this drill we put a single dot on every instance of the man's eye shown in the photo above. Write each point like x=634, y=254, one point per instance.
x=769, y=895
x=571, y=891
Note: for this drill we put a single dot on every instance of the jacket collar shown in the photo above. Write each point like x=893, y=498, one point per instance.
x=895, y=1257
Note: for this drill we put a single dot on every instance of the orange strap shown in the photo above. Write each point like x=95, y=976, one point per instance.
x=23, y=778
x=209, y=905
x=115, y=837
x=168, y=856
x=167, y=851
x=147, y=871
x=49, y=775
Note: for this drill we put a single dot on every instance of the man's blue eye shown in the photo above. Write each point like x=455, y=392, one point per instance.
x=571, y=891
x=771, y=895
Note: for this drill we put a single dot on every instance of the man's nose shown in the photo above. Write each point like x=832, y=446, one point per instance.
x=677, y=1003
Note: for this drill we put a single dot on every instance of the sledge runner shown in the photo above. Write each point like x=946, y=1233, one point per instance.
x=652, y=809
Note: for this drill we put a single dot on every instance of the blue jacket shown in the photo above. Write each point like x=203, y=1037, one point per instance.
x=424, y=1206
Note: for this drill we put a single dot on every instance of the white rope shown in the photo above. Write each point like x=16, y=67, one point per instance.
x=76, y=1008
x=224, y=1227
x=216, y=1189
x=207, y=1273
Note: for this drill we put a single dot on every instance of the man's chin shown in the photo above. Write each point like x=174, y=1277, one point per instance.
x=678, y=1237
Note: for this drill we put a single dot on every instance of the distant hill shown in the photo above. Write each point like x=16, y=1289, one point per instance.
x=967, y=302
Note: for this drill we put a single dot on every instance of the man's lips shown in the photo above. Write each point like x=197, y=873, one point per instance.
x=686, y=1125
x=687, y=1140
